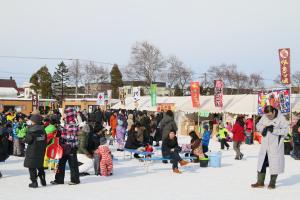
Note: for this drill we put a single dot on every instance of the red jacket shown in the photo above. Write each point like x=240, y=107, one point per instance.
x=238, y=133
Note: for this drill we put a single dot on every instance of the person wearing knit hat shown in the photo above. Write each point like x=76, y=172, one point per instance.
x=69, y=142
x=34, y=156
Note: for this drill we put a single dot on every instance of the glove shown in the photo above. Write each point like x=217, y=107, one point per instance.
x=264, y=132
x=270, y=128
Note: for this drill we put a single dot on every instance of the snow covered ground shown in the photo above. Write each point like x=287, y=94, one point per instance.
x=130, y=181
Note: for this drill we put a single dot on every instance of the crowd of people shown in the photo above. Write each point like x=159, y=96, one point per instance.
x=85, y=139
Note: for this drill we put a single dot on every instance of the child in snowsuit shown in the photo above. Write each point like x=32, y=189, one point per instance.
x=106, y=164
x=121, y=130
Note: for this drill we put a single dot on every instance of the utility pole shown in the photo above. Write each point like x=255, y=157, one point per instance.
x=76, y=77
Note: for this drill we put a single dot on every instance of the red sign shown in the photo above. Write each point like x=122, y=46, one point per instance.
x=195, y=94
x=285, y=67
x=219, y=93
x=164, y=107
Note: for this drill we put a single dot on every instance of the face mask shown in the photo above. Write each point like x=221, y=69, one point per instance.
x=29, y=122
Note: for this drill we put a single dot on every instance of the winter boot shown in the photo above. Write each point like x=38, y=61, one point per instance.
x=43, y=180
x=183, y=163
x=0, y=175
x=176, y=171
x=272, y=184
x=34, y=184
x=260, y=181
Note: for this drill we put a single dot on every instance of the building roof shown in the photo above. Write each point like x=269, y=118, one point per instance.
x=8, y=83
x=8, y=92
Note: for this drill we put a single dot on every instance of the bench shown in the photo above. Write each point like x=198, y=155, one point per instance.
x=134, y=151
x=147, y=160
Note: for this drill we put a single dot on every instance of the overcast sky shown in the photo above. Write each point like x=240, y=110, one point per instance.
x=201, y=33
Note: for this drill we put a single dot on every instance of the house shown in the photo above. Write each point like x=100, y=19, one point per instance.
x=8, y=88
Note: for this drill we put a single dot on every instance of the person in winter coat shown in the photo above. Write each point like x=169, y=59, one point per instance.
x=21, y=131
x=171, y=148
x=158, y=136
x=105, y=157
x=196, y=146
x=222, y=134
x=4, y=154
x=296, y=141
x=69, y=143
x=288, y=144
x=153, y=128
x=205, y=138
x=132, y=141
x=120, y=134
x=51, y=131
x=83, y=155
x=113, y=121
x=130, y=121
x=166, y=125
x=238, y=132
x=274, y=128
x=99, y=118
x=34, y=156
x=249, y=130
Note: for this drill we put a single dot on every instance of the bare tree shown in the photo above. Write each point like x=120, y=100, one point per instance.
x=146, y=62
x=256, y=81
x=75, y=71
x=95, y=75
x=178, y=73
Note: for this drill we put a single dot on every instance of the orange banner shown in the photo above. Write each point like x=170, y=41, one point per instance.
x=195, y=94
x=163, y=107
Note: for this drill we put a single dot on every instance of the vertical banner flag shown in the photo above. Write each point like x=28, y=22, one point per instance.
x=285, y=67
x=195, y=94
x=279, y=99
x=219, y=93
x=136, y=93
x=101, y=99
x=35, y=102
x=153, y=94
x=122, y=95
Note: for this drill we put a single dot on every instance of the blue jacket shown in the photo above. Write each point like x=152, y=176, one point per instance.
x=206, y=138
x=14, y=127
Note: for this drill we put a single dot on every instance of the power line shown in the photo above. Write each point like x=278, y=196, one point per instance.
x=57, y=58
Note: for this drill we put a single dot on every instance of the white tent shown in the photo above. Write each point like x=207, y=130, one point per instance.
x=236, y=104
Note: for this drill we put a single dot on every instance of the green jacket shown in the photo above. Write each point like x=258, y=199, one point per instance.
x=223, y=132
x=83, y=140
x=22, y=131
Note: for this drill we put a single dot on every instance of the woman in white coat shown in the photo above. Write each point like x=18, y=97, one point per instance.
x=274, y=127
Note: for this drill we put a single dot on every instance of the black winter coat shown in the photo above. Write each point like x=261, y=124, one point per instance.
x=4, y=154
x=168, y=144
x=37, y=143
x=132, y=142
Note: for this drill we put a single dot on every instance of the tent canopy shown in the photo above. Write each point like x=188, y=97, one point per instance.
x=237, y=104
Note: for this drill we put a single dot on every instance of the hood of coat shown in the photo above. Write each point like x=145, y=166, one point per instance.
x=130, y=116
x=168, y=119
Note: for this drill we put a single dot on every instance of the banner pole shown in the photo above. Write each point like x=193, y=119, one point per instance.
x=291, y=114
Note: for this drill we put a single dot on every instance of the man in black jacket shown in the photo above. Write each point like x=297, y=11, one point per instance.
x=34, y=157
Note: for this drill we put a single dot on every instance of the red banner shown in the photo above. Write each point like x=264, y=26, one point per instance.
x=219, y=93
x=284, y=57
x=195, y=94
